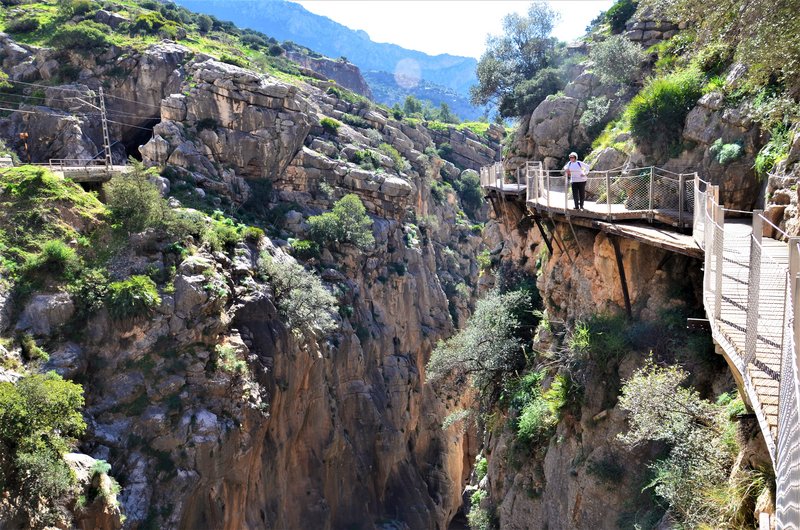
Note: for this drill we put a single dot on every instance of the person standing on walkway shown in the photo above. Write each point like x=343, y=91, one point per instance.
x=576, y=171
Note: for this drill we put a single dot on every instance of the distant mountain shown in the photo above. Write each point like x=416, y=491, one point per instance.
x=386, y=90
x=285, y=20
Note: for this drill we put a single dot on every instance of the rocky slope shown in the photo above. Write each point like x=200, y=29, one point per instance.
x=326, y=433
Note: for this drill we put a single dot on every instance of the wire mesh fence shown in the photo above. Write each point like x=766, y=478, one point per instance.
x=645, y=193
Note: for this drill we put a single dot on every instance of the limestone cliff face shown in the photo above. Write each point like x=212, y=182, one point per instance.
x=336, y=432
x=582, y=476
x=344, y=73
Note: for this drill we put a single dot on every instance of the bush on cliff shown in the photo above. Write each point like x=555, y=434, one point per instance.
x=347, y=223
x=39, y=421
x=657, y=114
x=132, y=298
x=489, y=347
x=85, y=36
x=299, y=296
x=701, y=438
x=135, y=202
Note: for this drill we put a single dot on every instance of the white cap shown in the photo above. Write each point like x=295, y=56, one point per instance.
x=574, y=154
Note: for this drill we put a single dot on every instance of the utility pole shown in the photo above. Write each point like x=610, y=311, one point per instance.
x=106, y=139
x=104, y=120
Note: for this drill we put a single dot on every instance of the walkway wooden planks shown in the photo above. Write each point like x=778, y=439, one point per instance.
x=731, y=327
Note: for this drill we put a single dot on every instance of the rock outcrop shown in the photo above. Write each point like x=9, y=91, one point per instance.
x=345, y=74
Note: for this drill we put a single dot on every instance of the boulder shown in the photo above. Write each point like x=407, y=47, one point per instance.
x=45, y=313
x=551, y=125
x=67, y=360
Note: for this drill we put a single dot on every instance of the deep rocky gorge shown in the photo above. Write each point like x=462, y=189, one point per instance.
x=342, y=429
x=336, y=432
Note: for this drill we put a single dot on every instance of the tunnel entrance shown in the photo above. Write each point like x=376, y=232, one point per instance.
x=134, y=136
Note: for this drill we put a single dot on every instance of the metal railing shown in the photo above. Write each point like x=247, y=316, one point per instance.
x=645, y=192
x=750, y=293
x=76, y=164
x=751, y=290
x=492, y=176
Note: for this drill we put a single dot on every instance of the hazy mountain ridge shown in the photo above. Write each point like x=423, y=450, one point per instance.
x=290, y=21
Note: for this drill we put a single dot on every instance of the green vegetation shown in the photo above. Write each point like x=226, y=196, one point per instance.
x=85, y=36
x=617, y=60
x=693, y=478
x=490, y=345
x=32, y=234
x=30, y=350
x=480, y=518
x=330, y=126
x=516, y=70
x=726, y=153
x=754, y=32
x=398, y=161
x=135, y=202
x=228, y=360
x=299, y=296
x=347, y=223
x=657, y=113
x=774, y=151
x=39, y=421
x=619, y=14
x=132, y=298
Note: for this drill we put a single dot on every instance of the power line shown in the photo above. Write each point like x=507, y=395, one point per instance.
x=129, y=125
x=133, y=101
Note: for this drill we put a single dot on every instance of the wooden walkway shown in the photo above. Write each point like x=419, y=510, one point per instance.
x=751, y=287
x=764, y=371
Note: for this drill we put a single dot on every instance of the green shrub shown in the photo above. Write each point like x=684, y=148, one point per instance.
x=481, y=468
x=135, y=202
x=253, y=234
x=468, y=187
x=774, y=151
x=529, y=93
x=658, y=112
x=151, y=23
x=133, y=298
x=367, y=158
x=57, y=258
x=484, y=260
x=221, y=233
x=617, y=60
x=241, y=62
x=85, y=36
x=330, y=126
x=619, y=14
x=305, y=249
x=399, y=162
x=535, y=422
x=30, y=350
x=229, y=361
x=23, y=25
x=347, y=223
x=299, y=296
x=439, y=191
x=489, y=348
x=72, y=8
x=39, y=420
x=726, y=153
x=355, y=121
x=694, y=479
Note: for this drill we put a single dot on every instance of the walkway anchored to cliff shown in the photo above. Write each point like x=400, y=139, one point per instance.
x=751, y=283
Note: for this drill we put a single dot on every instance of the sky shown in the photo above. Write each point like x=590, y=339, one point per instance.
x=458, y=27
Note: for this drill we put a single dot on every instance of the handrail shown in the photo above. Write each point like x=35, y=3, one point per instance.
x=640, y=192
x=751, y=291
